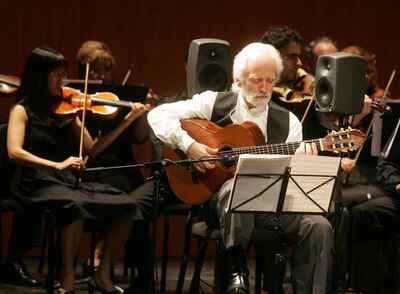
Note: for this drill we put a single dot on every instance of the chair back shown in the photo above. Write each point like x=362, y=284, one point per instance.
x=7, y=167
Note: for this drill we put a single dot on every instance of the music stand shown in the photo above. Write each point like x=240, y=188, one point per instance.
x=284, y=184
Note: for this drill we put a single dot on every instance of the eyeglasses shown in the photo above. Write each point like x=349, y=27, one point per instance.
x=60, y=74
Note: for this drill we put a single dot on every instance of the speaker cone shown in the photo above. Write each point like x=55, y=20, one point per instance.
x=324, y=92
x=213, y=77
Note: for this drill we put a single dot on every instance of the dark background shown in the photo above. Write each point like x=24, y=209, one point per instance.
x=153, y=35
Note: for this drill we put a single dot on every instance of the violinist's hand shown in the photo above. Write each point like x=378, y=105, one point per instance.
x=398, y=188
x=137, y=110
x=72, y=162
x=348, y=165
x=307, y=149
x=367, y=107
x=197, y=151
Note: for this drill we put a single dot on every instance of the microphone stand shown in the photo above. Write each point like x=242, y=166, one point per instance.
x=158, y=170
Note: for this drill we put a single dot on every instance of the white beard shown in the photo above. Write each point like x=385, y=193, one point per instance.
x=259, y=100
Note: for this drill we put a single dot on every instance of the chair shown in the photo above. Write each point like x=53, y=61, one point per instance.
x=206, y=234
x=7, y=168
x=8, y=203
x=179, y=209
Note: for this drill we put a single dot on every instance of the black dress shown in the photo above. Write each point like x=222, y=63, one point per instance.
x=44, y=187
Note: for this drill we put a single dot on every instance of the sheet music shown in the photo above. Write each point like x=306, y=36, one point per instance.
x=324, y=167
x=248, y=184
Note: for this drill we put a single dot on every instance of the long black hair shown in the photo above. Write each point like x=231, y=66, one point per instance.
x=34, y=90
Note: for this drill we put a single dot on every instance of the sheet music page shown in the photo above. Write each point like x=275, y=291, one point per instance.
x=251, y=180
x=323, y=168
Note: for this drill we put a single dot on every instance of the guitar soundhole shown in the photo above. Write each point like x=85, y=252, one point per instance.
x=227, y=163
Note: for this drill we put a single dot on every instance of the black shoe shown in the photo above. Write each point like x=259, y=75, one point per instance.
x=15, y=273
x=238, y=282
x=237, y=279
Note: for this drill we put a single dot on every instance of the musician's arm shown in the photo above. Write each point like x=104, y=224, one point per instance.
x=388, y=173
x=365, y=111
x=295, y=129
x=165, y=119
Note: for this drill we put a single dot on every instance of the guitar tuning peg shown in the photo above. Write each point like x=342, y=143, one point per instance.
x=341, y=129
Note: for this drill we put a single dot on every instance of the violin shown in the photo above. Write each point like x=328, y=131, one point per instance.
x=9, y=84
x=300, y=99
x=71, y=102
x=381, y=108
x=303, y=90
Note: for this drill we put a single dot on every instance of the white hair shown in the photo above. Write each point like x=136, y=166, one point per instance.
x=255, y=51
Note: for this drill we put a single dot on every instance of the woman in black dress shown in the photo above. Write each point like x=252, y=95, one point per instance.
x=42, y=145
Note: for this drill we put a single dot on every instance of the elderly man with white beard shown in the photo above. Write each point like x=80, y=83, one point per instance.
x=256, y=70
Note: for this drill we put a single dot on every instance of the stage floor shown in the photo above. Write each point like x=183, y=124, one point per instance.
x=172, y=278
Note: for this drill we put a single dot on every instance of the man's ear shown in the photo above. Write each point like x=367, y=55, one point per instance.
x=238, y=82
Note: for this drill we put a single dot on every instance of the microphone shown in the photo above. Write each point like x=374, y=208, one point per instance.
x=229, y=159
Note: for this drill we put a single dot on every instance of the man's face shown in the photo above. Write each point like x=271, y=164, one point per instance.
x=258, y=82
x=320, y=49
x=324, y=48
x=55, y=81
x=291, y=61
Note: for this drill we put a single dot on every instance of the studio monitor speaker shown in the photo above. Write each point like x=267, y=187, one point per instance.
x=208, y=66
x=340, y=83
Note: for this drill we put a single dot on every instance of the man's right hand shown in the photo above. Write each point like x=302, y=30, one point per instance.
x=197, y=151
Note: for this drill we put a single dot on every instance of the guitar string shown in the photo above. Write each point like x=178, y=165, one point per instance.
x=281, y=148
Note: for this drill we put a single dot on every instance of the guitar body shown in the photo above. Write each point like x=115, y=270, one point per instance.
x=234, y=135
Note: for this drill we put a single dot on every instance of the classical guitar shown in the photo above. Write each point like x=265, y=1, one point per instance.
x=193, y=187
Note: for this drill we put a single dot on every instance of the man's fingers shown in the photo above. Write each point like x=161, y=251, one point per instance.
x=211, y=151
x=314, y=149
x=200, y=167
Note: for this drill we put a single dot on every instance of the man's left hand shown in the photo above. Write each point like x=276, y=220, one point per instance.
x=307, y=149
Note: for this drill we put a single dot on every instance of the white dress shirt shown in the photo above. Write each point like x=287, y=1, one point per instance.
x=165, y=119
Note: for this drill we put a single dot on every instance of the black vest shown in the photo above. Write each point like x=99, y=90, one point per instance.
x=278, y=117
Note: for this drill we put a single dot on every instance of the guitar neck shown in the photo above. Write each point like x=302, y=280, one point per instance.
x=288, y=148
x=116, y=103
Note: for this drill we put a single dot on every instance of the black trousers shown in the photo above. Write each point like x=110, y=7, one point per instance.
x=374, y=266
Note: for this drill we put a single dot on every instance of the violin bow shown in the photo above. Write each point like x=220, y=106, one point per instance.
x=128, y=73
x=368, y=131
x=307, y=109
x=84, y=111
x=81, y=141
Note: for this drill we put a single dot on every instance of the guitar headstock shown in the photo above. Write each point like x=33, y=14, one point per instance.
x=343, y=140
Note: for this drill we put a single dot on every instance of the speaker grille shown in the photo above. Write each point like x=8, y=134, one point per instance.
x=324, y=92
x=213, y=77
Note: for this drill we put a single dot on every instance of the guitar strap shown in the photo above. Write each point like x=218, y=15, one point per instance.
x=278, y=117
